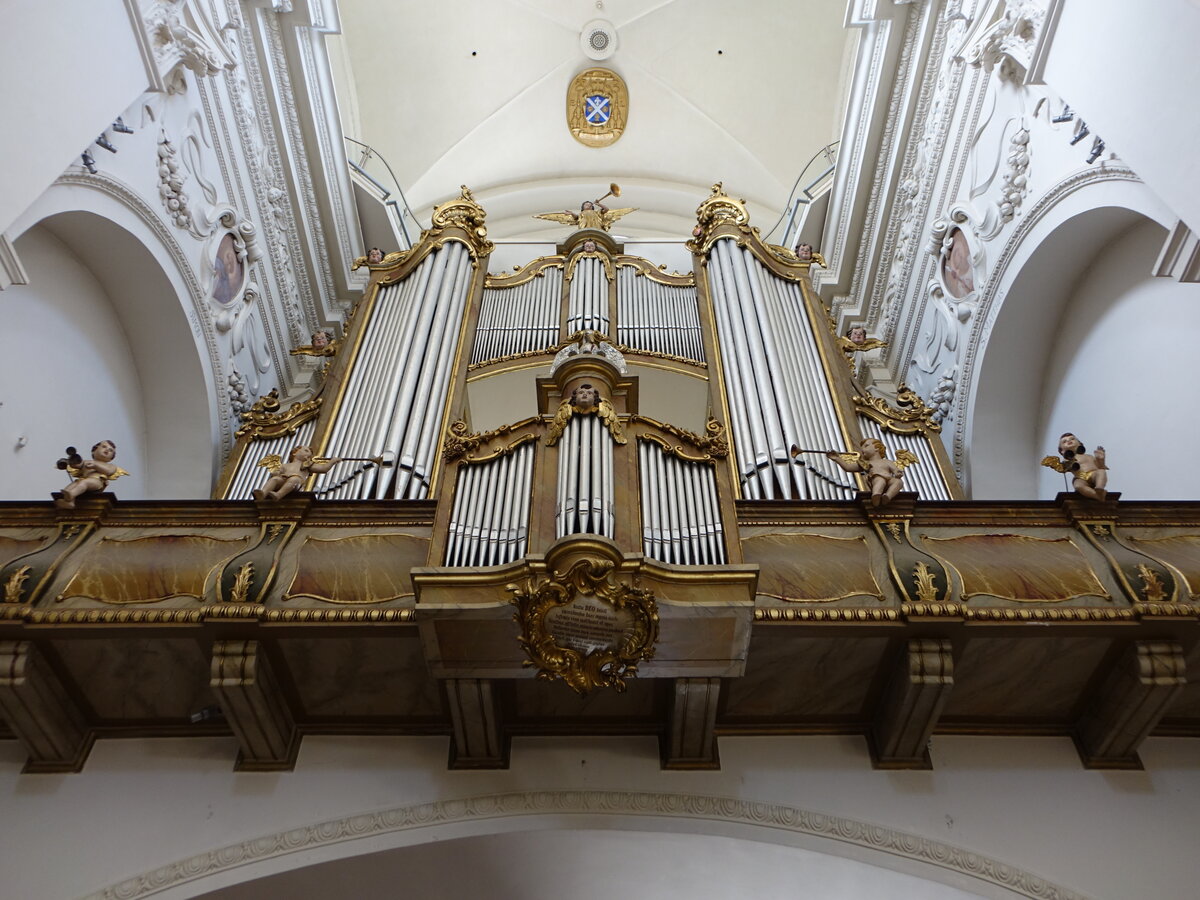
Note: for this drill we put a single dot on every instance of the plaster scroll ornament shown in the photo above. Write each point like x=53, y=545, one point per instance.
x=182, y=37
x=1088, y=471
x=590, y=343
x=883, y=476
x=88, y=475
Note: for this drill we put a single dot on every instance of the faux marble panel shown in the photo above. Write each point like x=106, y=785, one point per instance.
x=12, y=547
x=361, y=678
x=791, y=678
x=1023, y=679
x=138, y=678
x=363, y=568
x=1018, y=567
x=149, y=569
x=811, y=567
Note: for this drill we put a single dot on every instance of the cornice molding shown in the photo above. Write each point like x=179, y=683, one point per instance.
x=723, y=811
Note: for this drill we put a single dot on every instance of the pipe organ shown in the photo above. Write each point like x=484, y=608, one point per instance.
x=580, y=432
x=744, y=340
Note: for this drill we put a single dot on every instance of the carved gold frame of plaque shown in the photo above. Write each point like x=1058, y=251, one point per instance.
x=602, y=667
x=609, y=84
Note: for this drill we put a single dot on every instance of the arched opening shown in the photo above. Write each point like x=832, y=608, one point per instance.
x=590, y=864
x=1074, y=345
x=100, y=348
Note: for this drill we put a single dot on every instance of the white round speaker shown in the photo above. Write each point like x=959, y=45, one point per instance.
x=598, y=39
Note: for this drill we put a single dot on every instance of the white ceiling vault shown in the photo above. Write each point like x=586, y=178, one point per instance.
x=472, y=92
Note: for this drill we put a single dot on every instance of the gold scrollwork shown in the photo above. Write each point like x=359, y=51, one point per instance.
x=603, y=409
x=926, y=589
x=674, y=449
x=241, y=584
x=1152, y=585
x=912, y=416
x=16, y=584
x=713, y=442
x=464, y=212
x=460, y=443
x=264, y=419
x=610, y=271
x=895, y=531
x=603, y=666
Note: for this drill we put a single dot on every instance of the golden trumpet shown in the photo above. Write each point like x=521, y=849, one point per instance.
x=614, y=190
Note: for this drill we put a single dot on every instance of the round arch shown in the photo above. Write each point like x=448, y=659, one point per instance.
x=919, y=866
x=155, y=298
x=998, y=420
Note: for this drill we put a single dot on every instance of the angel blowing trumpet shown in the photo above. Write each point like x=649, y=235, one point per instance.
x=882, y=474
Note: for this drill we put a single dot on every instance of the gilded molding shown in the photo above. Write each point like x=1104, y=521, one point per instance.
x=610, y=271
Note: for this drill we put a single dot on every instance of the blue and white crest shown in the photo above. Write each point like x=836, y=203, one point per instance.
x=597, y=109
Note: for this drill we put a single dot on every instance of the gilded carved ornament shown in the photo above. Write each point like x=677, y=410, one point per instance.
x=908, y=416
x=265, y=420
x=580, y=607
x=597, y=107
x=571, y=406
x=459, y=442
x=712, y=443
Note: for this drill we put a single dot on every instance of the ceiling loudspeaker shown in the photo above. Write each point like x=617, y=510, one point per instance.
x=598, y=39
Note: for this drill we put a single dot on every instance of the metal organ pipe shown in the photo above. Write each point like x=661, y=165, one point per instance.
x=775, y=380
x=490, y=521
x=585, y=481
x=680, y=519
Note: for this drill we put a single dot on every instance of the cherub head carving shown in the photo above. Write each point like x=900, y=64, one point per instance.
x=804, y=252
x=584, y=397
x=374, y=256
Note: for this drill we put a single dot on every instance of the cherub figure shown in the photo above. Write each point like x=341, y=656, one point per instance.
x=322, y=343
x=592, y=214
x=855, y=340
x=884, y=477
x=585, y=400
x=804, y=252
x=89, y=474
x=374, y=256
x=1090, y=474
x=286, y=477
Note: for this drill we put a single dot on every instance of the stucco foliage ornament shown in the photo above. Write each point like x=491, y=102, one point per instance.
x=182, y=37
x=170, y=184
x=1009, y=41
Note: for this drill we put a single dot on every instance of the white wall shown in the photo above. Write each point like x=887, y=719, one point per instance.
x=67, y=374
x=1118, y=372
x=1024, y=802
x=1131, y=73
x=68, y=72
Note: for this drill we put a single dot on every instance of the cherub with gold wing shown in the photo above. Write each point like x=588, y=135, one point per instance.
x=884, y=477
x=856, y=341
x=286, y=477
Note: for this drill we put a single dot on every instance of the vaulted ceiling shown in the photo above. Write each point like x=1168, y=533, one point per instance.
x=475, y=92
